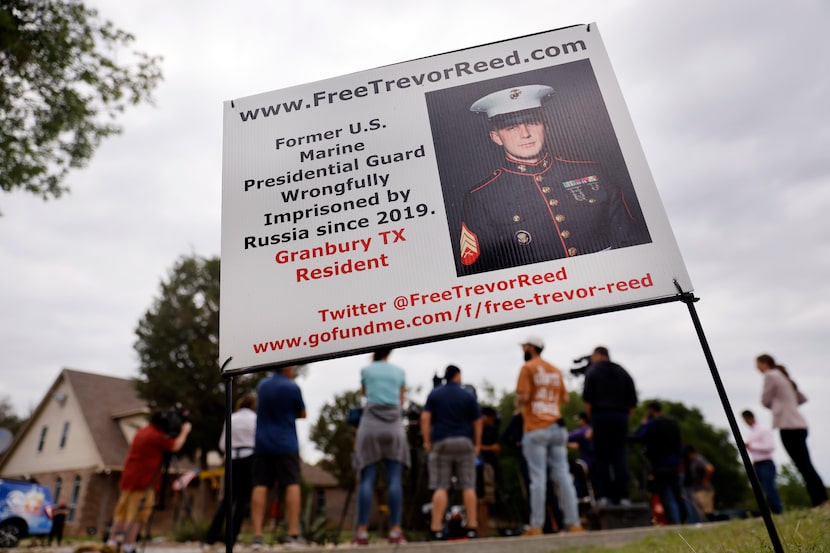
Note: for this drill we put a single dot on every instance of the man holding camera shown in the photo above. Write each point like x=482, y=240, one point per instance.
x=141, y=477
x=609, y=396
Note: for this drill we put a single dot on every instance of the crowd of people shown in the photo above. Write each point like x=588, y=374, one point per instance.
x=462, y=443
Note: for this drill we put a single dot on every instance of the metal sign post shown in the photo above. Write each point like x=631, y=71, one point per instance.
x=689, y=299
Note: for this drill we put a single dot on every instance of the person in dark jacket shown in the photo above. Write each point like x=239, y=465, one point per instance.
x=609, y=396
x=58, y=521
x=663, y=447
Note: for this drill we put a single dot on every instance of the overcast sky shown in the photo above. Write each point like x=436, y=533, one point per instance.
x=730, y=100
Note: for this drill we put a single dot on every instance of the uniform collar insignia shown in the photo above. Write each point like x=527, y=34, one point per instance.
x=524, y=168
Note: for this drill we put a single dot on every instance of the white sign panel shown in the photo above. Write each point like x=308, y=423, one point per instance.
x=483, y=188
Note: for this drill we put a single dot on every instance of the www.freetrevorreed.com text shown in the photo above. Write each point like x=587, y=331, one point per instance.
x=375, y=87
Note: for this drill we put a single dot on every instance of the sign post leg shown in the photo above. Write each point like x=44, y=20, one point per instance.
x=228, y=461
x=690, y=300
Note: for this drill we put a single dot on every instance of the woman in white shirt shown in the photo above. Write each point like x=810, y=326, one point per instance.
x=243, y=429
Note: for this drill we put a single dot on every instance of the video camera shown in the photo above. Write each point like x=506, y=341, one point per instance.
x=585, y=361
x=171, y=419
x=438, y=381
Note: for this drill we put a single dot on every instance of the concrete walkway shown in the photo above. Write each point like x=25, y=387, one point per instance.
x=536, y=544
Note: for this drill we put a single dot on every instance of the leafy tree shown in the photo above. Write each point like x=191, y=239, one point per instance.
x=729, y=480
x=486, y=393
x=334, y=437
x=791, y=488
x=178, y=350
x=8, y=419
x=64, y=77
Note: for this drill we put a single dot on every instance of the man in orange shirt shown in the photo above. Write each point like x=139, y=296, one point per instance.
x=541, y=391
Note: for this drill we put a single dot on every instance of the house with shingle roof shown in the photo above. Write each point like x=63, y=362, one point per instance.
x=75, y=443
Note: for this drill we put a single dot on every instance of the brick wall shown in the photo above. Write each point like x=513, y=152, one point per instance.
x=98, y=494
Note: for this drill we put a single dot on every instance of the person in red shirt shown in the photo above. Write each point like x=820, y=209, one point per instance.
x=141, y=478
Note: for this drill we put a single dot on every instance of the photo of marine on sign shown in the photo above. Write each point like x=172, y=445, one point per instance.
x=538, y=204
x=449, y=195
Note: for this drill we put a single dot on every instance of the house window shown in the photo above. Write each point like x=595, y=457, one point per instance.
x=64, y=434
x=58, y=486
x=42, y=438
x=76, y=489
x=320, y=500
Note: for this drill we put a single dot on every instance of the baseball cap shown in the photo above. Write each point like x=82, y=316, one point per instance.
x=534, y=341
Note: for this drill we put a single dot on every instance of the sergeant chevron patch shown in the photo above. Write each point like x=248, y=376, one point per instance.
x=469, y=246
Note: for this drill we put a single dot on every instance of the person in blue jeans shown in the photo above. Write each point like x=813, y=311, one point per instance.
x=381, y=438
x=760, y=444
x=541, y=392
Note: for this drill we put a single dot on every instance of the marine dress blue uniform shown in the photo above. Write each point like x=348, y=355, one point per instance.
x=526, y=213
x=541, y=208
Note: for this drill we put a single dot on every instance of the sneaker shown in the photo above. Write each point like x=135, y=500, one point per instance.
x=471, y=533
x=362, y=538
x=257, y=543
x=294, y=542
x=602, y=503
x=532, y=531
x=575, y=529
x=436, y=536
x=397, y=537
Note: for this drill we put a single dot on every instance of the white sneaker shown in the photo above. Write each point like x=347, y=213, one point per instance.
x=295, y=543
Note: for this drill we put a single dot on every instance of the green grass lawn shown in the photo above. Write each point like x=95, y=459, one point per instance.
x=799, y=531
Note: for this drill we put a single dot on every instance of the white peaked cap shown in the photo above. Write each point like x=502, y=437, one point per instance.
x=510, y=100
